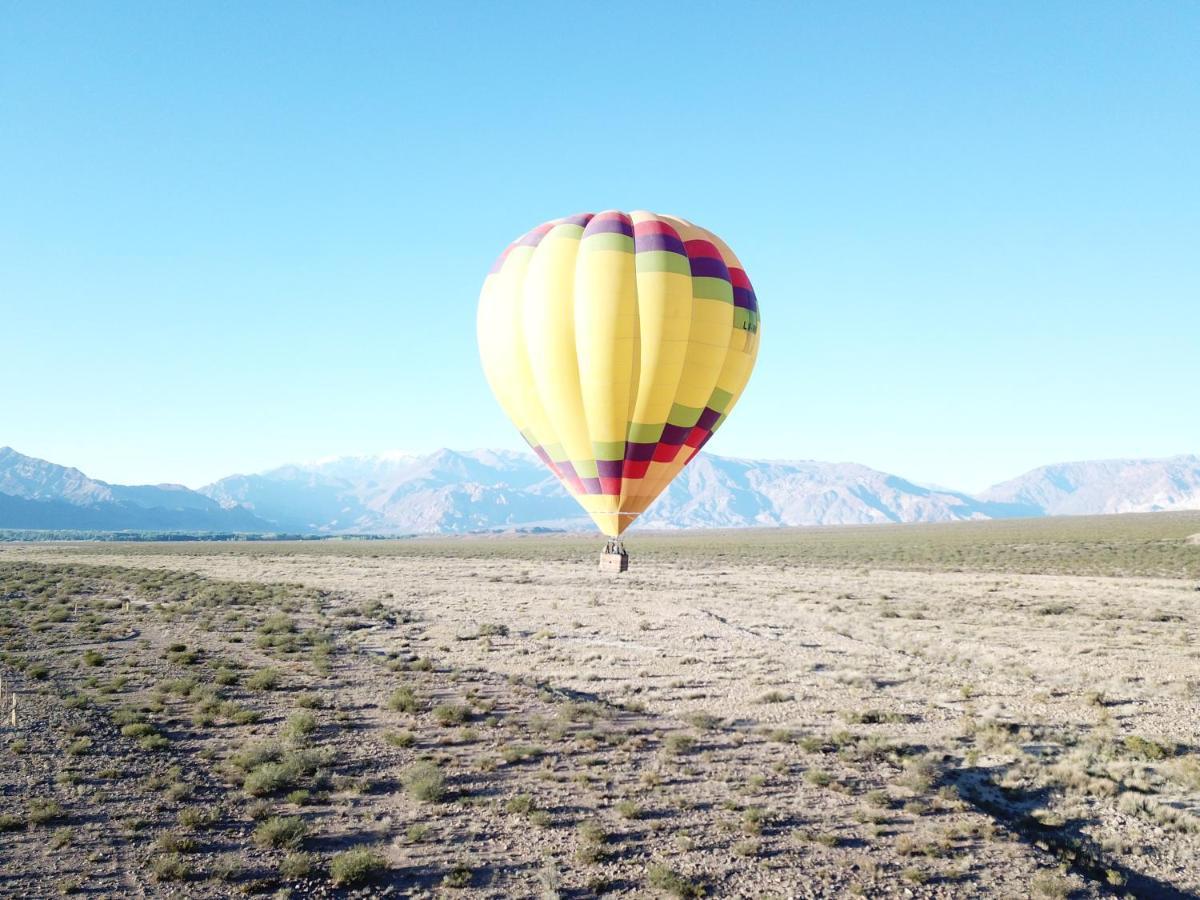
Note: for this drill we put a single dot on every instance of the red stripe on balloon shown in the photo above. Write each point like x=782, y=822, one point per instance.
x=653, y=226
x=739, y=278
x=701, y=249
x=636, y=469
x=610, y=486
x=666, y=452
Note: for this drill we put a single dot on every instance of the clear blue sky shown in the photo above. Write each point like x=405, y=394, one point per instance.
x=236, y=235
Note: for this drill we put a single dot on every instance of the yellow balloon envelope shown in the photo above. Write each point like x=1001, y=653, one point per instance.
x=618, y=344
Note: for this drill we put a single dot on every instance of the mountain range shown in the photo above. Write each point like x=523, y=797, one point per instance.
x=485, y=490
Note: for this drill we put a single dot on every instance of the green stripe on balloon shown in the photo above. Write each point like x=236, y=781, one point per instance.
x=665, y=261
x=683, y=416
x=719, y=399
x=641, y=433
x=574, y=232
x=585, y=468
x=713, y=289
x=610, y=450
x=609, y=241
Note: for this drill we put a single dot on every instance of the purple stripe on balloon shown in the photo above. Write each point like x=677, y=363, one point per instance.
x=581, y=219
x=639, y=452
x=707, y=267
x=542, y=455
x=646, y=242
x=673, y=435
x=744, y=299
x=609, y=224
x=533, y=238
x=592, y=485
x=707, y=418
x=610, y=468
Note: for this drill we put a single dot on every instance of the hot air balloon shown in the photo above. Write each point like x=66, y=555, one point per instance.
x=617, y=343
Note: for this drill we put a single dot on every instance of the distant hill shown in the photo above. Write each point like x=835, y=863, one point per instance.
x=36, y=494
x=452, y=491
x=725, y=492
x=446, y=491
x=1106, y=486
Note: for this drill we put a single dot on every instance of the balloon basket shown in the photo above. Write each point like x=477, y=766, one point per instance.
x=614, y=559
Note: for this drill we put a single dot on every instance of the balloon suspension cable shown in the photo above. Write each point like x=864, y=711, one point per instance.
x=614, y=558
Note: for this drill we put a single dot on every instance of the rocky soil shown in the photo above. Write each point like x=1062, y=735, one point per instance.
x=208, y=723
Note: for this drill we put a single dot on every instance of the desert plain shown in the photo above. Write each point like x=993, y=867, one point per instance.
x=994, y=709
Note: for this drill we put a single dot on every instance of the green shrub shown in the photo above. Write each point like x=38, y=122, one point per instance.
x=252, y=756
x=704, y=721
x=520, y=804
x=9, y=822
x=42, y=811
x=400, y=738
x=449, y=714
x=300, y=726
x=170, y=842
x=679, y=743
x=280, y=831
x=273, y=777
x=277, y=623
x=1144, y=748
x=79, y=747
x=753, y=820
x=169, y=867
x=297, y=865
x=403, y=699
x=459, y=876
x=425, y=781
x=627, y=809
x=591, y=832
x=355, y=866
x=264, y=680
x=1050, y=885
x=197, y=817
x=269, y=778
x=663, y=878
x=242, y=716
x=181, y=687
x=519, y=753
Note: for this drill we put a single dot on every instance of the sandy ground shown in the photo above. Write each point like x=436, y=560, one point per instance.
x=1021, y=693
